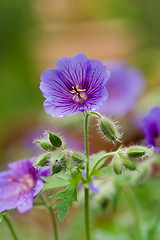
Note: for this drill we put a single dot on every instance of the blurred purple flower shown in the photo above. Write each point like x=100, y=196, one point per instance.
x=151, y=128
x=92, y=186
x=77, y=84
x=20, y=184
x=124, y=87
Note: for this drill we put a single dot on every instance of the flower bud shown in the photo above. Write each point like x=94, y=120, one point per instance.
x=129, y=164
x=108, y=129
x=78, y=157
x=43, y=160
x=45, y=145
x=68, y=164
x=56, y=168
x=117, y=166
x=136, y=151
x=82, y=167
x=55, y=140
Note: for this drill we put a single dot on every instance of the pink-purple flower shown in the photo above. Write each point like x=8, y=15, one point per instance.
x=124, y=87
x=76, y=84
x=20, y=184
x=151, y=128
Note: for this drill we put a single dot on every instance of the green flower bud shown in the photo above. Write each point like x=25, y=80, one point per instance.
x=117, y=166
x=43, y=160
x=78, y=157
x=108, y=129
x=45, y=145
x=68, y=163
x=56, y=168
x=82, y=167
x=129, y=164
x=136, y=151
x=55, y=140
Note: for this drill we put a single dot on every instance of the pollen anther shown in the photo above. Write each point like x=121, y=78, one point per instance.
x=77, y=92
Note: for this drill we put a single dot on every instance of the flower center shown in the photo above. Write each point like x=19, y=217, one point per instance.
x=79, y=95
x=26, y=182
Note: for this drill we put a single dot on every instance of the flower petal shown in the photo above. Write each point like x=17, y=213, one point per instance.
x=25, y=202
x=20, y=167
x=75, y=69
x=37, y=187
x=151, y=127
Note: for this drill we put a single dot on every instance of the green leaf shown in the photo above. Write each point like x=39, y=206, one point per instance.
x=1, y=216
x=67, y=196
x=95, y=157
x=75, y=178
x=54, y=182
x=104, y=171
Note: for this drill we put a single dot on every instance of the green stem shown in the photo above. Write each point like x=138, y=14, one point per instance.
x=10, y=227
x=135, y=211
x=86, y=189
x=54, y=222
x=87, y=227
x=105, y=156
x=96, y=113
x=86, y=145
x=153, y=227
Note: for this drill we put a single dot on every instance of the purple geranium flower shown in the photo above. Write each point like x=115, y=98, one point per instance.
x=151, y=128
x=20, y=184
x=77, y=84
x=124, y=87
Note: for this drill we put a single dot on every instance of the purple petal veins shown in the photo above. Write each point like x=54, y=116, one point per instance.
x=20, y=184
x=77, y=84
x=151, y=128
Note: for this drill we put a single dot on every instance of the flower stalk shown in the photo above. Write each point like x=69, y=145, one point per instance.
x=10, y=227
x=54, y=222
x=86, y=189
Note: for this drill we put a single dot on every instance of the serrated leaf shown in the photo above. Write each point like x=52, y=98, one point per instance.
x=67, y=196
x=95, y=157
x=53, y=182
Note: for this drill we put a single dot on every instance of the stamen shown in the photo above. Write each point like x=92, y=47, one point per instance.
x=77, y=91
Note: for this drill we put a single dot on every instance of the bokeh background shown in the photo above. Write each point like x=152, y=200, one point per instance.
x=33, y=35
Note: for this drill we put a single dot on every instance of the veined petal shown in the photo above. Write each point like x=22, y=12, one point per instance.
x=75, y=69
x=54, y=83
x=76, y=85
x=61, y=108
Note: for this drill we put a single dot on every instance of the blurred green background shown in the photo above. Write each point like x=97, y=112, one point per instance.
x=33, y=35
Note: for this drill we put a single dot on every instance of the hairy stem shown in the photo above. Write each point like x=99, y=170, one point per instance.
x=10, y=227
x=54, y=222
x=96, y=113
x=86, y=193
x=105, y=156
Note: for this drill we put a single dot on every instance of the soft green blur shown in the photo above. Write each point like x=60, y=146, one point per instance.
x=33, y=35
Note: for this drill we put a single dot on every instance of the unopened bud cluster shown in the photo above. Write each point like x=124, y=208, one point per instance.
x=57, y=157
x=51, y=144
x=125, y=158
